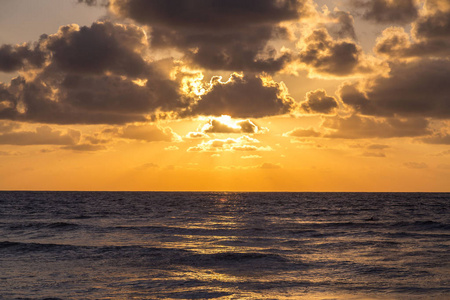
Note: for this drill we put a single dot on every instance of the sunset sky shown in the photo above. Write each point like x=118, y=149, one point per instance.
x=225, y=95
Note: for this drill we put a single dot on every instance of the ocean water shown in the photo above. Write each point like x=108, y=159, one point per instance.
x=148, y=245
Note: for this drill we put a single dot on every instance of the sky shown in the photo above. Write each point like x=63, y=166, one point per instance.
x=232, y=95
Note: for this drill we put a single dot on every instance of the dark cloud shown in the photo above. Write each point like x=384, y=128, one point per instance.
x=396, y=43
x=95, y=2
x=244, y=96
x=103, y=47
x=387, y=11
x=435, y=22
x=327, y=56
x=342, y=25
x=208, y=14
x=415, y=89
x=359, y=127
x=319, y=102
x=16, y=57
x=430, y=34
x=100, y=75
x=238, y=50
x=219, y=35
x=94, y=75
x=43, y=135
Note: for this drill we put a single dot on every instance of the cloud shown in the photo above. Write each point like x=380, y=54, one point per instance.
x=430, y=34
x=16, y=57
x=84, y=147
x=443, y=153
x=319, y=102
x=95, y=2
x=438, y=138
x=148, y=166
x=302, y=132
x=374, y=154
x=321, y=54
x=251, y=157
x=8, y=126
x=269, y=166
x=225, y=124
x=102, y=75
x=415, y=89
x=377, y=147
x=415, y=165
x=103, y=47
x=93, y=75
x=435, y=21
x=43, y=135
x=225, y=35
x=243, y=143
x=359, y=127
x=171, y=148
x=387, y=11
x=243, y=97
x=197, y=135
x=149, y=133
x=396, y=43
x=340, y=25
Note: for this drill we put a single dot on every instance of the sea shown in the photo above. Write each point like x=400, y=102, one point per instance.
x=224, y=245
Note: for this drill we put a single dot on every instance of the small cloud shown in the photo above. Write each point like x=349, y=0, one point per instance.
x=374, y=154
x=415, y=165
x=270, y=166
x=47, y=150
x=7, y=153
x=251, y=157
x=439, y=139
x=43, y=135
x=243, y=143
x=150, y=133
x=148, y=166
x=377, y=147
x=443, y=153
x=84, y=147
x=302, y=132
x=197, y=135
x=318, y=102
x=96, y=139
x=6, y=126
x=171, y=148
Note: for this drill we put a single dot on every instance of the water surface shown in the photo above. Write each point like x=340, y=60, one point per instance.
x=144, y=245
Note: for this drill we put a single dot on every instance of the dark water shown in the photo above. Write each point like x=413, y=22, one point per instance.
x=96, y=245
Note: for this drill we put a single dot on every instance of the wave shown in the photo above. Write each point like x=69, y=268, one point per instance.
x=43, y=225
x=423, y=225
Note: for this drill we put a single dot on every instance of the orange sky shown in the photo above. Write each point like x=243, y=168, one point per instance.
x=285, y=96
